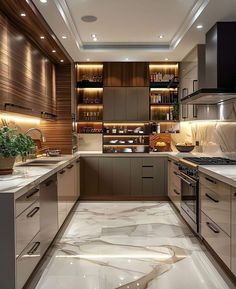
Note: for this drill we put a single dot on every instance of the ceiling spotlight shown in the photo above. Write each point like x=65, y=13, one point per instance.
x=53, y=51
x=42, y=37
x=95, y=39
x=161, y=36
x=200, y=26
x=23, y=14
x=64, y=37
x=61, y=60
x=88, y=59
x=43, y=1
x=166, y=59
x=127, y=59
x=93, y=35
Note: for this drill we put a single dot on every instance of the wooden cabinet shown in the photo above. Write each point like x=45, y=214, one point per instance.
x=115, y=177
x=233, y=231
x=126, y=104
x=174, y=186
x=126, y=74
x=48, y=212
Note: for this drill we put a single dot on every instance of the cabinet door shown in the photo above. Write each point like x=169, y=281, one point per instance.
x=132, y=104
x=113, y=74
x=77, y=180
x=136, y=74
x=105, y=186
x=89, y=176
x=120, y=95
x=233, y=232
x=108, y=104
x=136, y=176
x=71, y=189
x=121, y=176
x=48, y=212
x=160, y=187
x=63, y=185
x=143, y=103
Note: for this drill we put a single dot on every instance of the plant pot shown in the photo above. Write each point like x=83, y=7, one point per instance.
x=6, y=165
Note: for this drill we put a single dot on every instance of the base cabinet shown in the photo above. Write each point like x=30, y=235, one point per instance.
x=115, y=177
x=233, y=231
x=174, y=186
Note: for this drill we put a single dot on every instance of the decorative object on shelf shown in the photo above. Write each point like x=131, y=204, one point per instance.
x=160, y=142
x=184, y=147
x=12, y=145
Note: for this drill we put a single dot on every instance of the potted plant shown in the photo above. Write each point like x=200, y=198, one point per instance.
x=12, y=145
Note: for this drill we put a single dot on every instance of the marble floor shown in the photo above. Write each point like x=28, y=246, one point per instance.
x=127, y=245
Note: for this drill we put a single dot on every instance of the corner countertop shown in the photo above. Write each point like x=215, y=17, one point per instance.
x=26, y=178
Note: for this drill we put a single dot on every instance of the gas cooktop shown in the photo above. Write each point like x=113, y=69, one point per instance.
x=210, y=161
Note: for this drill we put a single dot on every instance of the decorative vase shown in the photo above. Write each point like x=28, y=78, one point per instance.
x=6, y=165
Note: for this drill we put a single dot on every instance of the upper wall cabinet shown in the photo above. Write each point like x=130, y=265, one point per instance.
x=130, y=74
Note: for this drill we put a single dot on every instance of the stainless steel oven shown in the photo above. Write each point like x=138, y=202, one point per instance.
x=190, y=196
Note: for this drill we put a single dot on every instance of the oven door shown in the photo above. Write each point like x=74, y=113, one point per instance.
x=189, y=196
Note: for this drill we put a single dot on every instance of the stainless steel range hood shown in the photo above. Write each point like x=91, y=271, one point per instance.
x=220, y=70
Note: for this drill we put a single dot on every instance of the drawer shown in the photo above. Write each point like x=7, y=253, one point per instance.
x=213, y=184
x=216, y=238
x=147, y=171
x=149, y=161
x=176, y=179
x=26, y=200
x=175, y=196
x=27, y=261
x=27, y=226
x=216, y=205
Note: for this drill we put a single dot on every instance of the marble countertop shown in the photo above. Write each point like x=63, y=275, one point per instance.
x=25, y=178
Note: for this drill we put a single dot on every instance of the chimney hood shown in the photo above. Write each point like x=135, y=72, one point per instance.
x=220, y=70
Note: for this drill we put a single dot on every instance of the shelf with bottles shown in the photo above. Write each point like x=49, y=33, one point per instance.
x=165, y=127
x=89, y=75
x=90, y=113
x=90, y=127
x=165, y=113
x=126, y=149
x=163, y=96
x=126, y=128
x=164, y=75
x=89, y=96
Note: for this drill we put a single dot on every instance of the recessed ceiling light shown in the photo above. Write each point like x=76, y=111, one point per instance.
x=161, y=36
x=43, y=1
x=95, y=39
x=200, y=26
x=54, y=51
x=61, y=60
x=93, y=35
x=88, y=59
x=23, y=14
x=126, y=58
x=64, y=37
x=42, y=37
x=166, y=59
x=89, y=18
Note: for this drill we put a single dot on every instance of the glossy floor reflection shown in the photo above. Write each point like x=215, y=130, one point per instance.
x=127, y=245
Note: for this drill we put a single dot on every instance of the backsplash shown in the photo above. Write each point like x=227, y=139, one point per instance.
x=213, y=136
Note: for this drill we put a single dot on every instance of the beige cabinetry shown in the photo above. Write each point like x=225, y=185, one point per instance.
x=215, y=204
x=233, y=230
x=174, y=186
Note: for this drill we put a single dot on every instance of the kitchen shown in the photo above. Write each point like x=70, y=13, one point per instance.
x=117, y=148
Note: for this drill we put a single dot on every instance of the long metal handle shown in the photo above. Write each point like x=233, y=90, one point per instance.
x=32, y=193
x=33, y=212
x=17, y=106
x=177, y=193
x=183, y=179
x=62, y=172
x=212, y=227
x=210, y=197
x=49, y=183
x=34, y=248
x=210, y=180
x=70, y=167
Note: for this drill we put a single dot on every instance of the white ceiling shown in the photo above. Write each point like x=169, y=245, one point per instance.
x=130, y=28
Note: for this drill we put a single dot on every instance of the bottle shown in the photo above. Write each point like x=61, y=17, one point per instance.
x=114, y=130
x=158, y=128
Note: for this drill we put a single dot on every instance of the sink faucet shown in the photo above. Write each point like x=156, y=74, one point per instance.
x=42, y=137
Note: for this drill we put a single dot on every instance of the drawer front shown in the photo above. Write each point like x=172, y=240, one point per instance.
x=216, y=205
x=147, y=171
x=26, y=200
x=27, y=261
x=27, y=226
x=213, y=184
x=176, y=179
x=216, y=238
x=176, y=196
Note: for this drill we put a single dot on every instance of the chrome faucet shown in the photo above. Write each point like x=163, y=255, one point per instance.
x=42, y=137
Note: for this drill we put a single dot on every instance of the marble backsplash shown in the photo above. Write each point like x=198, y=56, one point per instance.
x=213, y=136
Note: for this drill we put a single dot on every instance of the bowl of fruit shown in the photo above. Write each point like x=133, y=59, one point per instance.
x=186, y=147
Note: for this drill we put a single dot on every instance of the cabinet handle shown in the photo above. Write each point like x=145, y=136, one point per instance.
x=70, y=167
x=175, y=163
x=33, y=212
x=34, y=248
x=235, y=194
x=212, y=227
x=147, y=177
x=147, y=166
x=210, y=180
x=176, y=173
x=49, y=183
x=17, y=106
x=62, y=172
x=169, y=161
x=78, y=161
x=177, y=193
x=32, y=193
x=210, y=197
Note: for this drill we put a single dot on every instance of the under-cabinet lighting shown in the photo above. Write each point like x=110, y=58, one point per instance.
x=88, y=122
x=163, y=89
x=90, y=66
x=91, y=106
x=163, y=66
x=19, y=119
x=126, y=124
x=126, y=136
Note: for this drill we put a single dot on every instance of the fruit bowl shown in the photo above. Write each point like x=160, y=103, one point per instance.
x=185, y=148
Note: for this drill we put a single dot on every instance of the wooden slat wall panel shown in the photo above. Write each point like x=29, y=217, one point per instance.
x=59, y=133
x=26, y=75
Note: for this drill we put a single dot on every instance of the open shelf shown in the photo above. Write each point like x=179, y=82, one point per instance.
x=164, y=84
x=89, y=84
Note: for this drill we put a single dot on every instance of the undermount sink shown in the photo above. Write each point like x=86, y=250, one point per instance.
x=40, y=163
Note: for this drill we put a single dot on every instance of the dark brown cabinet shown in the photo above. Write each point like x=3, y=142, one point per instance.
x=126, y=104
x=126, y=74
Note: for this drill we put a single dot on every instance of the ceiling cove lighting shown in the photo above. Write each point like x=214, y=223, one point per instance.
x=200, y=26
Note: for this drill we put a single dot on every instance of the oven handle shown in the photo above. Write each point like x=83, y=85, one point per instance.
x=187, y=182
